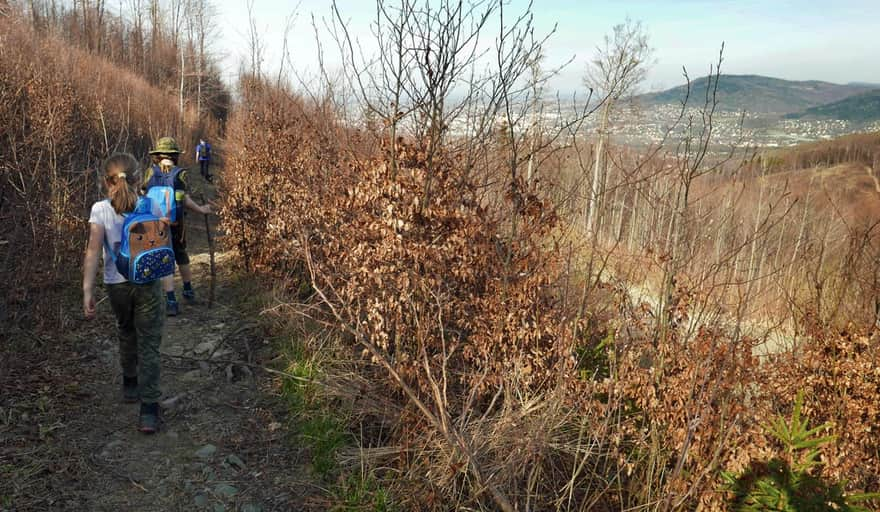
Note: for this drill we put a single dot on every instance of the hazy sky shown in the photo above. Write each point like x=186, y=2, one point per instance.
x=795, y=39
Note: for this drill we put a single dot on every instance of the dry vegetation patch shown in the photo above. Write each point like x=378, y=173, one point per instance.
x=469, y=375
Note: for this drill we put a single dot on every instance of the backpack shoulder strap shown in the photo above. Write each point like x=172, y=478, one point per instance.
x=178, y=178
x=148, y=177
x=109, y=249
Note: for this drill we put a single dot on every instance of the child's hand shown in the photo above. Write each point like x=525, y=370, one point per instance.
x=89, y=306
x=207, y=209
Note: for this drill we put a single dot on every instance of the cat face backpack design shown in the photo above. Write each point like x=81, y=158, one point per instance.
x=160, y=188
x=145, y=253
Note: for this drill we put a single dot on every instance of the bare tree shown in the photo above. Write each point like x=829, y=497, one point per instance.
x=255, y=45
x=202, y=15
x=155, y=35
x=536, y=125
x=615, y=72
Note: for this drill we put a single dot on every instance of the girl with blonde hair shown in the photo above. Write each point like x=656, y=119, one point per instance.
x=137, y=307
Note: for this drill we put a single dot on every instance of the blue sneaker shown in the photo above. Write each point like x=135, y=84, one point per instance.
x=190, y=296
x=172, y=308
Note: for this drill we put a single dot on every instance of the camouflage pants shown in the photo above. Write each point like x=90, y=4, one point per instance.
x=139, y=317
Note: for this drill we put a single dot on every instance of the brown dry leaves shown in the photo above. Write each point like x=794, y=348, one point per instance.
x=421, y=273
x=462, y=294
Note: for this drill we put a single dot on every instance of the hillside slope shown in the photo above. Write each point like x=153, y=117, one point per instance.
x=862, y=149
x=760, y=94
x=864, y=107
x=838, y=178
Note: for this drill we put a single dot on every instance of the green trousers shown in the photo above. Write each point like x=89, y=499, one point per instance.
x=139, y=317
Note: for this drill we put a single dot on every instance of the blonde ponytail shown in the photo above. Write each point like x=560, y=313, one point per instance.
x=165, y=163
x=119, y=170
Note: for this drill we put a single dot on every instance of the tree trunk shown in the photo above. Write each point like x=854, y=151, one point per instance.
x=182, y=83
x=597, y=170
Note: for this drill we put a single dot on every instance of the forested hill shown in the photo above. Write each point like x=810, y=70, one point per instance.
x=760, y=94
x=864, y=107
x=168, y=46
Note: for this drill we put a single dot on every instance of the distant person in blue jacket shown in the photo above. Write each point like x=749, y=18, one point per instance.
x=203, y=155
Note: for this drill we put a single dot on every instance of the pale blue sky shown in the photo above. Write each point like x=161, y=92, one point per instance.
x=794, y=39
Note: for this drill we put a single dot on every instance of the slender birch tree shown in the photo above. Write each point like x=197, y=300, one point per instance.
x=615, y=73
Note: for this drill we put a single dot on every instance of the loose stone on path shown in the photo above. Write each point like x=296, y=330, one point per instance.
x=206, y=452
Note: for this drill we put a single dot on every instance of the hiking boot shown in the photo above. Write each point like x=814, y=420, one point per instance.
x=190, y=296
x=172, y=308
x=148, y=422
x=130, y=392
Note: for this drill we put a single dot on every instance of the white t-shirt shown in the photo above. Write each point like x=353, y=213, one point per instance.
x=104, y=215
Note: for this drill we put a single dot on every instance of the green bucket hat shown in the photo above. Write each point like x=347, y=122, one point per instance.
x=166, y=146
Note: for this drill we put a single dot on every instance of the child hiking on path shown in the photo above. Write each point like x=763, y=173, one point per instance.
x=137, y=307
x=203, y=155
x=165, y=183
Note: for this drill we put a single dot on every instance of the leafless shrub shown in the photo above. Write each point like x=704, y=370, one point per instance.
x=510, y=365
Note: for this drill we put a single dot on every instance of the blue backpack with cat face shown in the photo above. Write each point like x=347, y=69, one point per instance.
x=145, y=253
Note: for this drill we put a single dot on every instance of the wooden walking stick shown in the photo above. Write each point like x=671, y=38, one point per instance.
x=211, y=254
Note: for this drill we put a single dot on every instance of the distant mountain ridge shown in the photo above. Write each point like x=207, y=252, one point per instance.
x=863, y=107
x=760, y=94
x=872, y=85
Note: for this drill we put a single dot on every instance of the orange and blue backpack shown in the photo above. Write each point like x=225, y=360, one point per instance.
x=144, y=253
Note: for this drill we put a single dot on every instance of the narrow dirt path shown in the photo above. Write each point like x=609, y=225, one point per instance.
x=67, y=442
x=222, y=446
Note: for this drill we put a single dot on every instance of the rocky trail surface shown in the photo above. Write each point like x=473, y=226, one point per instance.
x=67, y=442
